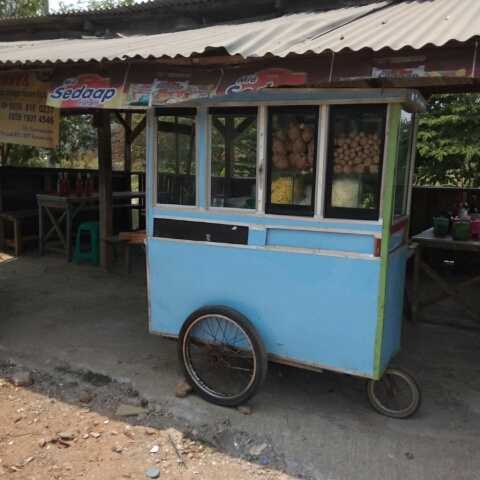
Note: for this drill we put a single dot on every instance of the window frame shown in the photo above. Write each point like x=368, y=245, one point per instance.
x=408, y=171
x=293, y=210
x=176, y=111
x=347, y=213
x=227, y=111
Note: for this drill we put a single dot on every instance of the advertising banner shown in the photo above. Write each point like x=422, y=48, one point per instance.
x=25, y=119
x=89, y=90
x=142, y=87
x=139, y=86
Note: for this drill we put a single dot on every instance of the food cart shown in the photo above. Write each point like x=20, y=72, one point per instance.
x=277, y=231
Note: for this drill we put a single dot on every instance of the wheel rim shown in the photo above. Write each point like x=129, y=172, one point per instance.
x=219, y=356
x=394, y=393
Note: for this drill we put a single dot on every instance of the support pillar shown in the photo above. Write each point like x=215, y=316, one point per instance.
x=102, y=122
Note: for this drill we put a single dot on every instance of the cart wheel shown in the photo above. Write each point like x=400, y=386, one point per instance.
x=395, y=395
x=222, y=355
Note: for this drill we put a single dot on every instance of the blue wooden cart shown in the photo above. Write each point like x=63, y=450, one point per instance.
x=277, y=230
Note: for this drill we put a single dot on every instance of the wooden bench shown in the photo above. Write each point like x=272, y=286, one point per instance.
x=131, y=239
x=16, y=219
x=128, y=240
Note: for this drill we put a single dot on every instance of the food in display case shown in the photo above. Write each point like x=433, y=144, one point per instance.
x=282, y=190
x=292, y=158
x=357, y=153
x=294, y=148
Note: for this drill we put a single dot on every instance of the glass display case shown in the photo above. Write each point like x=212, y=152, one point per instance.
x=176, y=162
x=233, y=157
x=354, y=161
x=291, y=160
x=404, y=162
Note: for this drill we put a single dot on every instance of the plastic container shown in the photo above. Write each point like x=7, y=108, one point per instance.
x=475, y=228
x=441, y=226
x=461, y=230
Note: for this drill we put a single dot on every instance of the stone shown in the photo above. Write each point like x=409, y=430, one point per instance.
x=136, y=402
x=66, y=436
x=183, y=389
x=124, y=410
x=155, y=449
x=42, y=442
x=22, y=378
x=264, y=460
x=86, y=396
x=95, y=434
x=245, y=409
x=117, y=449
x=409, y=455
x=152, y=472
x=257, y=450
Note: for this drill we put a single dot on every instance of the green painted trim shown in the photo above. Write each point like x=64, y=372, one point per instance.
x=387, y=207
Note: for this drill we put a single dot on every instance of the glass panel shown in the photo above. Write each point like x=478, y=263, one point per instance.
x=234, y=160
x=403, y=162
x=176, y=160
x=292, y=160
x=355, y=154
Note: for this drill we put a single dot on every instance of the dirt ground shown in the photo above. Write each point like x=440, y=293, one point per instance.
x=78, y=328
x=72, y=426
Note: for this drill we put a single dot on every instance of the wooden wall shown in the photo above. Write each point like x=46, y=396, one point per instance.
x=428, y=202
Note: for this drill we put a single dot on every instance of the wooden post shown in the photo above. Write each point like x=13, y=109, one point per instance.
x=127, y=219
x=102, y=123
x=127, y=153
x=417, y=267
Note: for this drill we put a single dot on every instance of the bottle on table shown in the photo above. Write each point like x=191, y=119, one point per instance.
x=79, y=185
x=88, y=185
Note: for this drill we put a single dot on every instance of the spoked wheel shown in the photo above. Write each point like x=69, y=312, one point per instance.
x=395, y=395
x=222, y=355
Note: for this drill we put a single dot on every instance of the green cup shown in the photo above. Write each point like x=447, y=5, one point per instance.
x=461, y=231
x=440, y=226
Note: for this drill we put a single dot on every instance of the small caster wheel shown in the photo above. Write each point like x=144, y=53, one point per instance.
x=395, y=395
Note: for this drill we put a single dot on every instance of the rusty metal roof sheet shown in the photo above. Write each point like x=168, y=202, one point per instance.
x=376, y=25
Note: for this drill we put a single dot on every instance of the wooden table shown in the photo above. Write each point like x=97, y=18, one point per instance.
x=425, y=240
x=67, y=208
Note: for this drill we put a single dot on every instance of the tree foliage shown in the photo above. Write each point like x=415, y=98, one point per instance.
x=448, y=141
x=94, y=5
x=20, y=8
x=77, y=148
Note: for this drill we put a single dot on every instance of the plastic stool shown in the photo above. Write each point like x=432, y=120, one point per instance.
x=93, y=253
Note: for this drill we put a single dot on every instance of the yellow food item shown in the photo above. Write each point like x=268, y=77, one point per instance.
x=282, y=189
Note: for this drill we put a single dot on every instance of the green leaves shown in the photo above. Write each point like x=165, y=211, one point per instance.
x=20, y=8
x=448, y=141
x=95, y=5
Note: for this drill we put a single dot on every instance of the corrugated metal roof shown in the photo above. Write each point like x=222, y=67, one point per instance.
x=381, y=24
x=413, y=23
